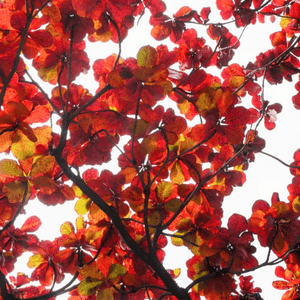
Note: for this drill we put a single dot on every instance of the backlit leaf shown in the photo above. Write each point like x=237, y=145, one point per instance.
x=14, y=191
x=22, y=148
x=36, y=260
x=67, y=228
x=89, y=286
x=10, y=167
x=82, y=205
x=116, y=270
x=164, y=190
x=31, y=224
x=147, y=57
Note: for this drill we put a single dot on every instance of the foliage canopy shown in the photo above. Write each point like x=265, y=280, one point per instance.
x=175, y=169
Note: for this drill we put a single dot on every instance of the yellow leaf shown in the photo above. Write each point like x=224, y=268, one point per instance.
x=176, y=174
x=164, y=190
x=22, y=148
x=10, y=167
x=80, y=223
x=67, y=228
x=204, y=103
x=89, y=286
x=82, y=205
x=36, y=260
x=177, y=241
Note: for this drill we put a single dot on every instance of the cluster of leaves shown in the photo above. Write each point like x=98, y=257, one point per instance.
x=172, y=177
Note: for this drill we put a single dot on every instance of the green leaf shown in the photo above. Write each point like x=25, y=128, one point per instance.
x=10, y=167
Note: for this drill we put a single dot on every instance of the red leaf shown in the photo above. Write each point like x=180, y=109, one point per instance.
x=31, y=224
x=237, y=224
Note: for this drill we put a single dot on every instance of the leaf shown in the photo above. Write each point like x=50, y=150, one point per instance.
x=67, y=228
x=31, y=224
x=10, y=167
x=82, y=205
x=172, y=205
x=42, y=165
x=147, y=57
x=14, y=191
x=237, y=224
x=281, y=285
x=36, y=260
x=22, y=148
x=105, y=294
x=116, y=270
x=176, y=175
x=164, y=190
x=89, y=286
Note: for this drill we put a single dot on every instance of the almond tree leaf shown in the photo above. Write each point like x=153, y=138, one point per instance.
x=89, y=286
x=91, y=271
x=27, y=130
x=36, y=260
x=105, y=294
x=116, y=270
x=5, y=211
x=67, y=228
x=237, y=224
x=296, y=204
x=82, y=205
x=40, y=114
x=5, y=17
x=14, y=191
x=6, y=140
x=42, y=165
x=43, y=135
x=42, y=37
x=172, y=205
x=164, y=190
x=46, y=185
x=281, y=285
x=147, y=57
x=80, y=223
x=10, y=167
x=31, y=224
x=176, y=175
x=22, y=148
x=177, y=241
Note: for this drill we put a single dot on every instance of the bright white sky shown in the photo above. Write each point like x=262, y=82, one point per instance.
x=264, y=177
